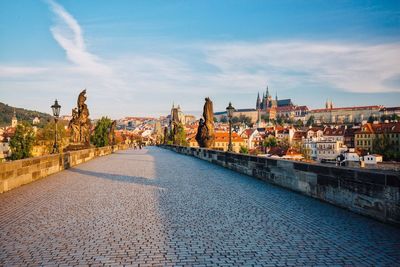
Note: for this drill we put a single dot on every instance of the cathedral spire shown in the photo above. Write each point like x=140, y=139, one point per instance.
x=267, y=92
x=276, y=95
x=258, y=101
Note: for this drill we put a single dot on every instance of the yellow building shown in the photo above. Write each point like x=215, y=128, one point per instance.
x=364, y=137
x=222, y=141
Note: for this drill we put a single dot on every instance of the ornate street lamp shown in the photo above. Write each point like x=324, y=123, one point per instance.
x=229, y=111
x=56, y=113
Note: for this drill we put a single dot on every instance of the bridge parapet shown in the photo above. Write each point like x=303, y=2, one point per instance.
x=368, y=192
x=19, y=172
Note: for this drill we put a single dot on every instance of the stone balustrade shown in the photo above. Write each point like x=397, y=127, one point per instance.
x=19, y=172
x=367, y=192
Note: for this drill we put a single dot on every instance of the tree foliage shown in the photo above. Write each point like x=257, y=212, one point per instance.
x=243, y=150
x=392, y=117
x=22, y=142
x=371, y=119
x=6, y=113
x=242, y=119
x=46, y=136
x=381, y=145
x=299, y=123
x=310, y=121
x=265, y=117
x=180, y=136
x=279, y=120
x=100, y=135
x=283, y=143
x=223, y=119
x=270, y=142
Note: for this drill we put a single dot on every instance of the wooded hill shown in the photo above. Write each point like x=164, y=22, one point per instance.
x=6, y=113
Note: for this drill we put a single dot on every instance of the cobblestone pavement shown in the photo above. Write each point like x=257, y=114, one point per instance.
x=155, y=207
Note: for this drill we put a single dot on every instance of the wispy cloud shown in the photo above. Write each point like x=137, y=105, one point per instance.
x=15, y=71
x=352, y=67
x=69, y=35
x=146, y=82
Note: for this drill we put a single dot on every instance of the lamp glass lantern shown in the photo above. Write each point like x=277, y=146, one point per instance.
x=229, y=110
x=56, y=112
x=56, y=109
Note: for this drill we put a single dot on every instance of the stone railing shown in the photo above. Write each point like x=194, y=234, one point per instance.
x=19, y=172
x=371, y=193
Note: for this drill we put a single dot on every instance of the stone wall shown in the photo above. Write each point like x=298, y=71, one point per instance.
x=19, y=172
x=371, y=193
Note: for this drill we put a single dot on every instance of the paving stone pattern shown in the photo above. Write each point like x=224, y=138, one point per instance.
x=153, y=207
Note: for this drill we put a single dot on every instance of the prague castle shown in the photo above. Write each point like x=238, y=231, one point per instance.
x=267, y=102
x=283, y=108
x=273, y=108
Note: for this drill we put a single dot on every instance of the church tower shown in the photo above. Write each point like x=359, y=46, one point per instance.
x=258, y=103
x=14, y=120
x=267, y=99
x=329, y=104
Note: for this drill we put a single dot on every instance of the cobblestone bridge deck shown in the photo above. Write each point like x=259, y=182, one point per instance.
x=156, y=207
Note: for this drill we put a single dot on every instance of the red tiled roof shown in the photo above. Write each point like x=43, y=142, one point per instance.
x=285, y=108
x=315, y=129
x=301, y=108
x=224, y=137
x=248, y=132
x=334, y=132
x=299, y=135
x=391, y=127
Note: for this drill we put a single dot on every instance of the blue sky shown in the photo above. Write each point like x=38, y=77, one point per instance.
x=137, y=57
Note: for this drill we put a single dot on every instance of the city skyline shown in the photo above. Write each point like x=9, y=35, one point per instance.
x=136, y=58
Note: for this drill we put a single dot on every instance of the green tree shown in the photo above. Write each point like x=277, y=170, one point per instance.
x=180, y=136
x=279, y=120
x=283, y=143
x=46, y=136
x=270, y=142
x=215, y=119
x=371, y=119
x=22, y=142
x=299, y=123
x=100, y=135
x=242, y=119
x=243, y=150
x=224, y=119
x=385, y=117
x=265, y=117
x=381, y=145
x=235, y=120
x=288, y=120
x=310, y=121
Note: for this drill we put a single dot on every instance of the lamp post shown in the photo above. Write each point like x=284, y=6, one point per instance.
x=56, y=113
x=229, y=111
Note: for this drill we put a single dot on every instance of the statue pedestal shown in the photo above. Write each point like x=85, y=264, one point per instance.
x=76, y=146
